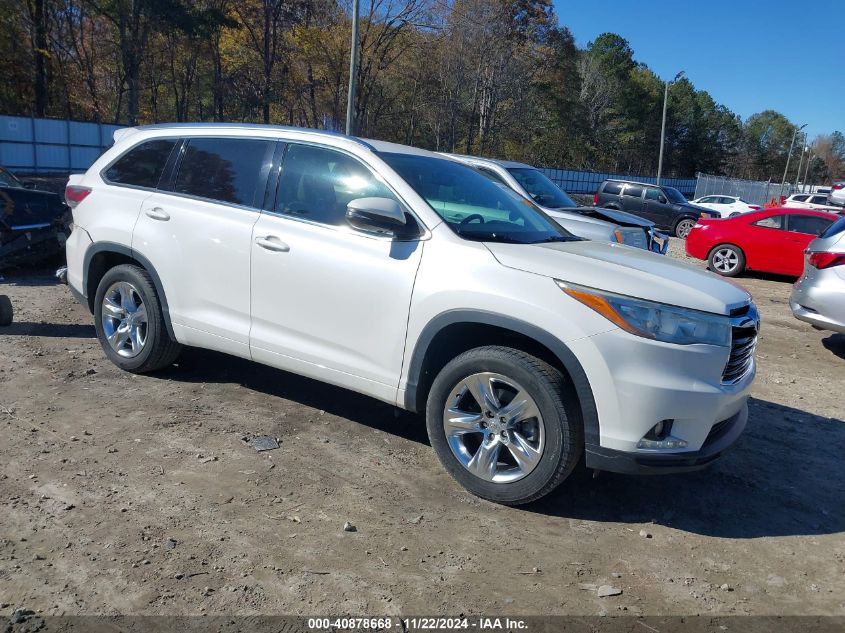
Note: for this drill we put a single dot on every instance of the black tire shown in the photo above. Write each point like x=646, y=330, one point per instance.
x=683, y=227
x=159, y=350
x=6, y=311
x=714, y=264
x=556, y=401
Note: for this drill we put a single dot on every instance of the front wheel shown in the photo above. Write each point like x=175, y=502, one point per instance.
x=727, y=260
x=505, y=424
x=683, y=227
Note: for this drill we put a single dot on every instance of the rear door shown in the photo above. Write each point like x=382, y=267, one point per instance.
x=197, y=234
x=801, y=229
x=632, y=199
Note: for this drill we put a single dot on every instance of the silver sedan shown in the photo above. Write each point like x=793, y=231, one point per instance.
x=819, y=296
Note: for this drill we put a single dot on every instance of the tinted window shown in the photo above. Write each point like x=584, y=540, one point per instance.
x=633, y=191
x=316, y=184
x=724, y=200
x=800, y=198
x=773, y=222
x=224, y=169
x=819, y=200
x=674, y=195
x=655, y=194
x=471, y=205
x=808, y=224
x=542, y=190
x=835, y=229
x=492, y=175
x=8, y=180
x=141, y=166
x=613, y=188
x=704, y=200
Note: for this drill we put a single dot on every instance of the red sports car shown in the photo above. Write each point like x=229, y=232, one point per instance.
x=771, y=241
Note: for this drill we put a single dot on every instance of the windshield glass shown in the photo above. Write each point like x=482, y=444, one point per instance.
x=8, y=180
x=473, y=206
x=541, y=189
x=674, y=195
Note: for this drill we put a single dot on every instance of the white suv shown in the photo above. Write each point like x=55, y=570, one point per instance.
x=348, y=261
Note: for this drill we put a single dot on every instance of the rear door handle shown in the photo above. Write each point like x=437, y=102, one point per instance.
x=272, y=243
x=158, y=214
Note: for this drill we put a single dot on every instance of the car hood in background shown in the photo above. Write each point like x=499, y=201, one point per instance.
x=26, y=208
x=609, y=215
x=624, y=270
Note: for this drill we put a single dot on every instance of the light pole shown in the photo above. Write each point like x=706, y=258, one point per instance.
x=663, y=125
x=801, y=159
x=353, y=71
x=788, y=157
x=807, y=169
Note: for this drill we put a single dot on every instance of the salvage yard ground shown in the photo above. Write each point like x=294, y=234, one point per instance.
x=138, y=494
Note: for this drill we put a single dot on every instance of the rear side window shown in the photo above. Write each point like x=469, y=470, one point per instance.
x=613, y=188
x=809, y=224
x=142, y=165
x=223, y=169
x=773, y=222
x=800, y=198
x=633, y=191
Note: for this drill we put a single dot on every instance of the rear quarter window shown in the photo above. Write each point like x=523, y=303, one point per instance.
x=613, y=188
x=142, y=165
x=633, y=191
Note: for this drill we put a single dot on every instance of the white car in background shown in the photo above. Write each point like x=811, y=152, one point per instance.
x=837, y=194
x=814, y=201
x=727, y=206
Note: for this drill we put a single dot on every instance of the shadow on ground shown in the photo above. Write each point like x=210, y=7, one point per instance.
x=835, y=343
x=48, y=330
x=783, y=478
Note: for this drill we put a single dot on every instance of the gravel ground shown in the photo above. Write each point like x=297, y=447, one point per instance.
x=138, y=494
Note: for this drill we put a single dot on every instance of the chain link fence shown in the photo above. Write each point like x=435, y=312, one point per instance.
x=752, y=191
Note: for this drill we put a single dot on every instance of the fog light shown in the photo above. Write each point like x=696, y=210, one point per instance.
x=659, y=437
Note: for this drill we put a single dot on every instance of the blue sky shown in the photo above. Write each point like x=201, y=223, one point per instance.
x=750, y=55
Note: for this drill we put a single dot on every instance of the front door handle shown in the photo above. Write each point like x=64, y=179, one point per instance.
x=272, y=243
x=158, y=213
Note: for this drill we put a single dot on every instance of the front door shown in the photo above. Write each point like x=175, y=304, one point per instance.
x=328, y=301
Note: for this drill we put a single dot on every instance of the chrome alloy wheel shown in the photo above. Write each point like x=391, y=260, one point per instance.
x=124, y=319
x=725, y=260
x=494, y=427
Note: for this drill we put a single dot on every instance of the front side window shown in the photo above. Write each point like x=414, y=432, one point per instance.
x=317, y=183
x=809, y=224
x=142, y=165
x=633, y=191
x=772, y=222
x=223, y=169
x=542, y=190
x=835, y=229
x=819, y=200
x=472, y=206
x=674, y=195
x=654, y=194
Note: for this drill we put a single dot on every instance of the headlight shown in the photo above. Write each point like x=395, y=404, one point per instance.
x=631, y=237
x=658, y=321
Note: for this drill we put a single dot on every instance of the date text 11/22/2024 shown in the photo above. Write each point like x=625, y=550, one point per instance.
x=418, y=623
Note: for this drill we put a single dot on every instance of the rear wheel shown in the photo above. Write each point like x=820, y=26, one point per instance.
x=505, y=424
x=727, y=260
x=683, y=227
x=130, y=322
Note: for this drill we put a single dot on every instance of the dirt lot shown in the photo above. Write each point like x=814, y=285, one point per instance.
x=128, y=494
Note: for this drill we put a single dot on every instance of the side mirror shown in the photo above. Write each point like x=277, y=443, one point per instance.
x=662, y=199
x=376, y=215
x=28, y=184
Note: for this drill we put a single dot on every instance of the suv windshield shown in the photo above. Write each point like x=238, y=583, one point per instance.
x=542, y=190
x=7, y=179
x=674, y=195
x=473, y=206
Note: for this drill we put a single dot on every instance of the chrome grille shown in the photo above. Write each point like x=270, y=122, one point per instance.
x=744, y=327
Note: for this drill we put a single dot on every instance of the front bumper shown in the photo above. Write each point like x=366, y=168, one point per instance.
x=722, y=436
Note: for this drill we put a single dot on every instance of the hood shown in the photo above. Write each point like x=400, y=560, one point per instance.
x=27, y=208
x=694, y=207
x=611, y=215
x=624, y=270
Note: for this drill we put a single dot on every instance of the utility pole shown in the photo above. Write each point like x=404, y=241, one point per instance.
x=801, y=160
x=353, y=72
x=663, y=124
x=807, y=169
x=788, y=157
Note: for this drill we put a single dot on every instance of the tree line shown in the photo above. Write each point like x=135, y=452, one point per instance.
x=501, y=78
